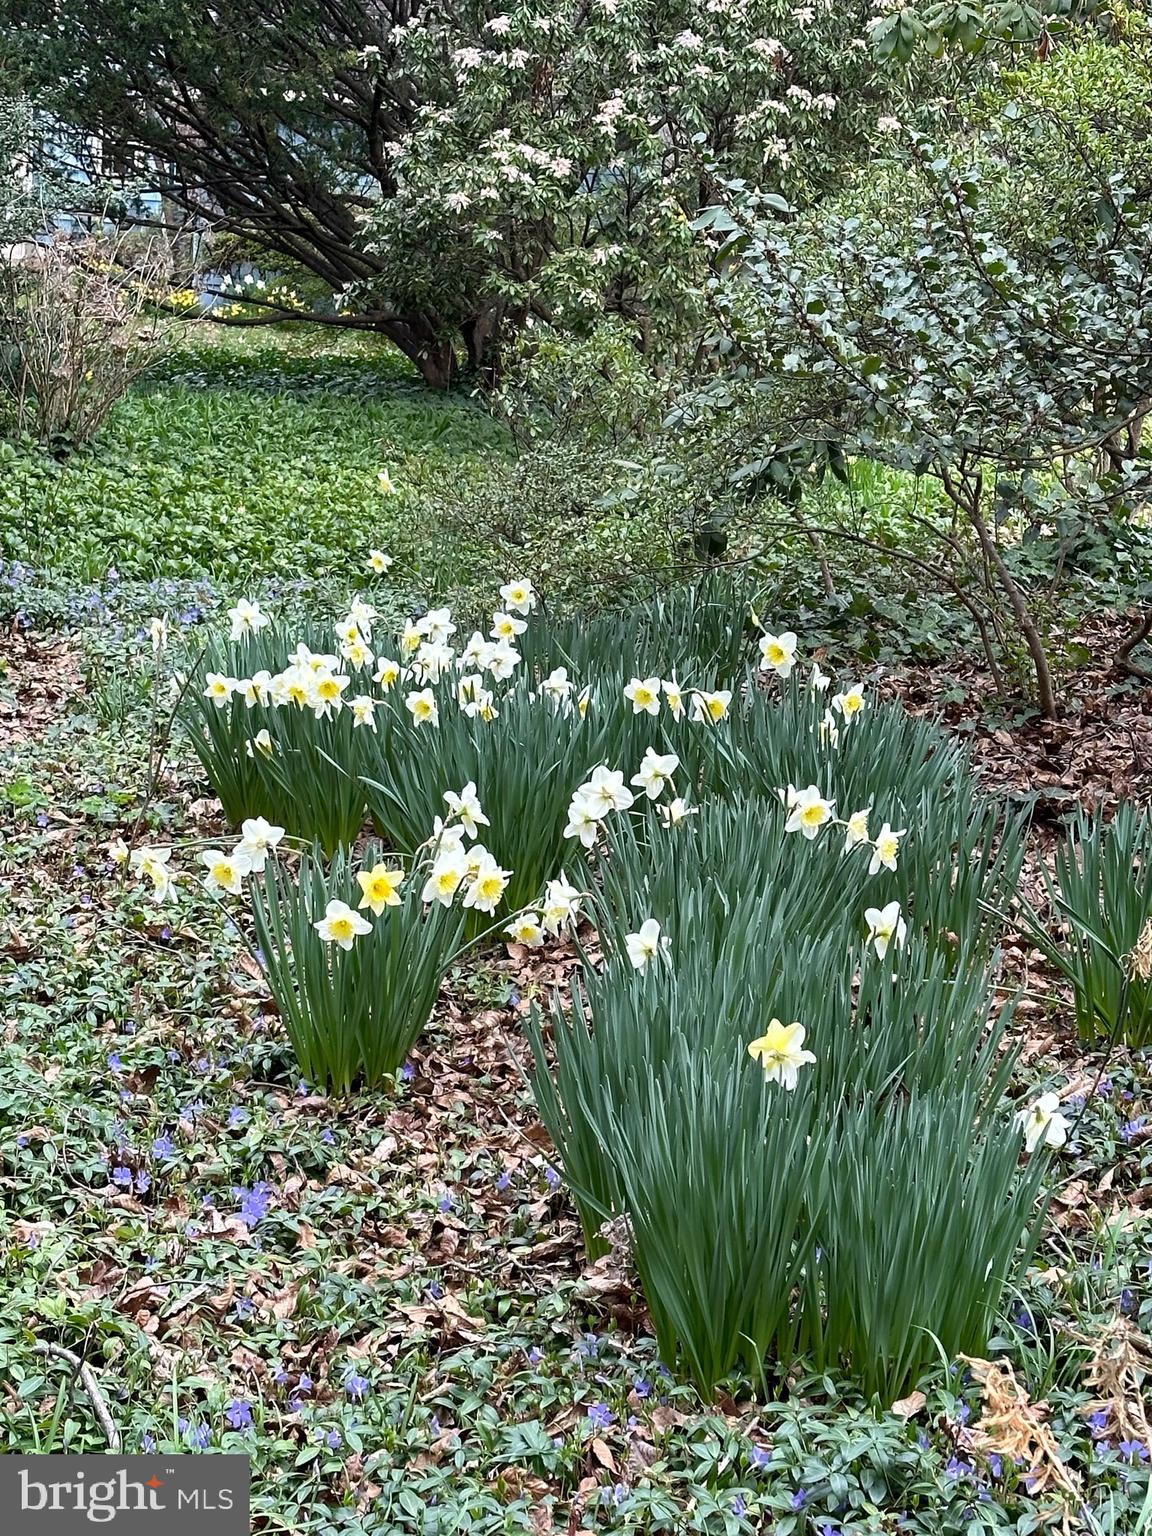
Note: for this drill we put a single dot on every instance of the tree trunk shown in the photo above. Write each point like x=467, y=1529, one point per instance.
x=482, y=342
x=1045, y=692
x=423, y=344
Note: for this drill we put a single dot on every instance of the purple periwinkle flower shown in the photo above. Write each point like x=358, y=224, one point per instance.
x=760, y=1457
x=334, y=1440
x=552, y=1176
x=239, y=1413
x=356, y=1386
x=237, y=1117
x=1133, y=1450
x=123, y=1177
x=800, y=1498
x=143, y=1182
x=164, y=1146
x=148, y=1444
x=114, y=1062
x=504, y=1180
x=254, y=1203
x=600, y=1416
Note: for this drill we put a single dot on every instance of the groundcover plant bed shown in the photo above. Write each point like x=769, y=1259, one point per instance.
x=792, y=1184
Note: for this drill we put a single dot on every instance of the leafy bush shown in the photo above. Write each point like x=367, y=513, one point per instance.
x=1101, y=890
x=71, y=342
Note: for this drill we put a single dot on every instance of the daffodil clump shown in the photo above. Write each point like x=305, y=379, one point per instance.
x=792, y=995
x=1097, y=931
x=791, y=883
x=355, y=950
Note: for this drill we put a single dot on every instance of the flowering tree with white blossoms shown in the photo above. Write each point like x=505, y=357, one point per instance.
x=450, y=171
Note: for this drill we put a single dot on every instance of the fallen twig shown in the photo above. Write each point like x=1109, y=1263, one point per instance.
x=91, y=1386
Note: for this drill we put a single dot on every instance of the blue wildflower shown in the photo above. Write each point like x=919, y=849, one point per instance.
x=356, y=1386
x=239, y=1413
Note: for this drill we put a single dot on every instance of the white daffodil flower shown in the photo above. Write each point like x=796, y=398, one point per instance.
x=856, y=830
x=526, y=929
x=518, y=596
x=885, y=848
x=809, y=811
x=257, y=839
x=226, y=871
x=885, y=924
x=247, y=619
x=647, y=944
x=1043, y=1124
x=466, y=808
x=849, y=703
x=656, y=770
x=778, y=653
x=644, y=695
x=340, y=925
x=423, y=707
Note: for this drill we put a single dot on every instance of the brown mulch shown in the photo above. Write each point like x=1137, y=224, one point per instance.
x=1098, y=751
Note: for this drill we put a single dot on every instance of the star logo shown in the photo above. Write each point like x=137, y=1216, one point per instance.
x=154, y=1482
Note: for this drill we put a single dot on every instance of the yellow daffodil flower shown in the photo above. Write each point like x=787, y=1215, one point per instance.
x=780, y=1052
x=380, y=887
